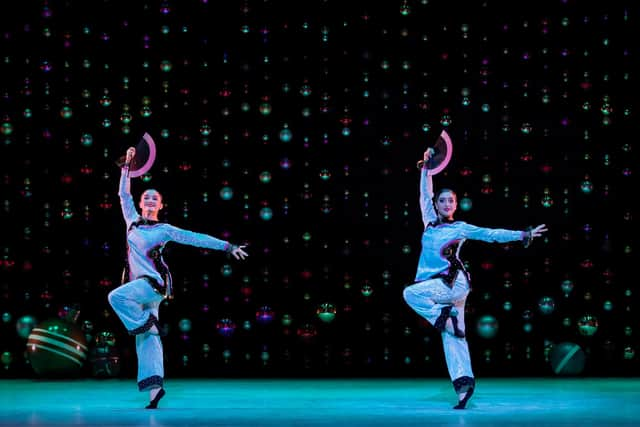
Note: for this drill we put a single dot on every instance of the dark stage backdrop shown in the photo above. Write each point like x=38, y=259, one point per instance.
x=295, y=127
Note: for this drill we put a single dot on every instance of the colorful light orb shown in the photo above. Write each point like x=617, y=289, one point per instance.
x=326, y=312
x=587, y=325
x=6, y=359
x=146, y=111
x=286, y=135
x=487, y=326
x=166, y=66
x=66, y=112
x=226, y=270
x=566, y=286
x=287, y=320
x=307, y=332
x=226, y=193
x=205, y=128
x=104, y=339
x=86, y=140
x=24, y=325
x=184, y=325
x=265, y=177
x=546, y=305
x=466, y=204
x=285, y=163
x=586, y=186
x=266, y=214
x=265, y=108
x=226, y=327
x=366, y=290
x=526, y=128
x=305, y=90
x=629, y=353
x=446, y=120
x=265, y=315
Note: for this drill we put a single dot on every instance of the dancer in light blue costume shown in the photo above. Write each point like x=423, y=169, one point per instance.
x=146, y=279
x=441, y=285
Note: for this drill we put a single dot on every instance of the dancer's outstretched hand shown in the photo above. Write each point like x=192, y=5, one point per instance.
x=532, y=233
x=537, y=231
x=239, y=253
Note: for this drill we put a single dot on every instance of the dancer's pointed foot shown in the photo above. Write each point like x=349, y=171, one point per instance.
x=154, y=402
x=462, y=403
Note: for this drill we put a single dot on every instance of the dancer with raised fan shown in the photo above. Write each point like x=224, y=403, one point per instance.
x=441, y=285
x=146, y=278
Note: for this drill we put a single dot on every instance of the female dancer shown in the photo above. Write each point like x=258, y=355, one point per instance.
x=441, y=285
x=146, y=279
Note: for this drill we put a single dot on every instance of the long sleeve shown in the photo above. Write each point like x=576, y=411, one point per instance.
x=126, y=200
x=492, y=235
x=192, y=238
x=426, y=198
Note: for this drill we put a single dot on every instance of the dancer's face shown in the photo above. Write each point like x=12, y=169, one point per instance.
x=151, y=201
x=447, y=203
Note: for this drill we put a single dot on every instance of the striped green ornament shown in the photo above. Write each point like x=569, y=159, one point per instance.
x=56, y=348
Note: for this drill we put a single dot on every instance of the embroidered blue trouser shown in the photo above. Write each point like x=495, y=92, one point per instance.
x=136, y=303
x=428, y=298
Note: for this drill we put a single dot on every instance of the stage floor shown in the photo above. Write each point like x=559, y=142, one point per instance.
x=330, y=402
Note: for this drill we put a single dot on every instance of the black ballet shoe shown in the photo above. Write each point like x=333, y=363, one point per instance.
x=456, y=330
x=462, y=404
x=441, y=321
x=154, y=403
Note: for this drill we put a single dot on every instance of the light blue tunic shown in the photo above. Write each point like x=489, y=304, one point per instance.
x=441, y=242
x=146, y=241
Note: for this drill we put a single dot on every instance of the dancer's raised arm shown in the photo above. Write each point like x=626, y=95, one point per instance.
x=124, y=191
x=426, y=191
